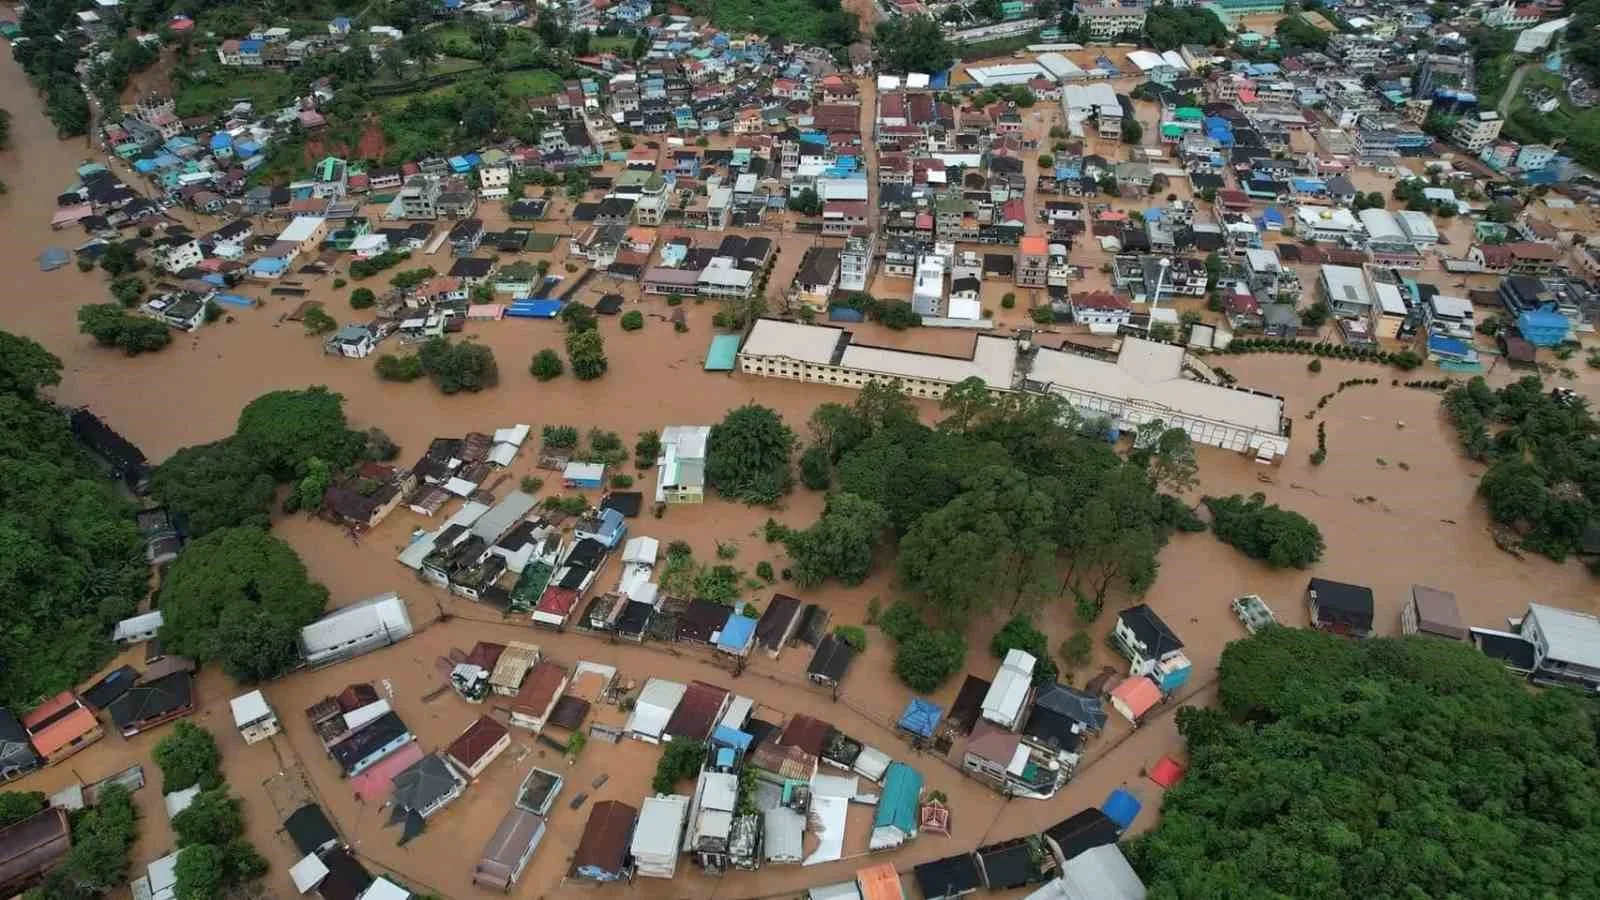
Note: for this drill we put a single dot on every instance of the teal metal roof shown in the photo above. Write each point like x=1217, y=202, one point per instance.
x=720, y=358
x=897, y=806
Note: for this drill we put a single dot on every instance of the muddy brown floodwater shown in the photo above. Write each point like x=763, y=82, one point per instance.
x=1395, y=501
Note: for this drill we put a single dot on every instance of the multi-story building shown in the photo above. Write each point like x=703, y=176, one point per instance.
x=927, y=291
x=1033, y=262
x=1344, y=288
x=1108, y=22
x=1566, y=646
x=419, y=198
x=855, y=261
x=1477, y=130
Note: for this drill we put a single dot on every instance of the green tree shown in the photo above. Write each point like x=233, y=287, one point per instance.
x=586, y=352
x=840, y=544
x=399, y=368
x=806, y=203
x=1168, y=454
x=647, y=449
x=928, y=658
x=546, y=365
x=578, y=317
x=913, y=44
x=213, y=816
x=966, y=402
x=216, y=485
x=202, y=872
x=18, y=805
x=747, y=455
x=127, y=290
x=317, y=321
x=188, y=756
x=897, y=314
x=26, y=366
x=1077, y=649
x=363, y=298
x=239, y=596
x=632, y=320
x=1392, y=814
x=111, y=326
x=816, y=469
x=285, y=429
x=1132, y=131
x=102, y=837
x=309, y=490
x=1264, y=531
x=458, y=367
x=1019, y=634
x=119, y=259
x=680, y=761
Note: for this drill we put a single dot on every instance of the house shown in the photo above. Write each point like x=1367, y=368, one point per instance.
x=681, y=465
x=831, y=661
x=658, y=836
x=61, y=726
x=1432, y=611
x=1062, y=714
x=1566, y=646
x=253, y=717
x=465, y=236
x=948, y=878
x=895, y=820
x=1144, y=639
x=1007, y=697
x=602, y=852
x=778, y=623
x=369, y=744
x=1103, y=311
x=1014, y=764
x=1340, y=608
x=308, y=827
x=17, y=756
x=32, y=847
x=538, y=696
x=512, y=668
x=583, y=475
x=359, y=628
x=137, y=629
x=1134, y=697
x=429, y=785
x=474, y=749
x=353, y=341
x=509, y=849
x=1101, y=873
x=1081, y=831
x=697, y=712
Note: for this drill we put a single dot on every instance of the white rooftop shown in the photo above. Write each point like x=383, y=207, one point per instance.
x=1346, y=284
x=248, y=708
x=308, y=873
x=384, y=889
x=1569, y=636
x=301, y=228
x=655, y=706
x=1003, y=703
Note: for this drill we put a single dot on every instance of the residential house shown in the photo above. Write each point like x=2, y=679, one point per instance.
x=1007, y=698
x=32, y=847
x=1566, y=646
x=1340, y=608
x=1135, y=697
x=509, y=850
x=680, y=469
x=1102, y=311
x=429, y=785
x=658, y=836
x=369, y=744
x=478, y=746
x=253, y=717
x=1033, y=261
x=538, y=695
x=602, y=852
x=465, y=236
x=1432, y=611
x=61, y=726
x=17, y=756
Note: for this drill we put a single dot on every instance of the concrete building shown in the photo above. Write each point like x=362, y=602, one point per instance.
x=253, y=717
x=1145, y=381
x=1477, y=130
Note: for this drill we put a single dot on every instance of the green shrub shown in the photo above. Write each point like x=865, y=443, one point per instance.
x=854, y=635
x=632, y=320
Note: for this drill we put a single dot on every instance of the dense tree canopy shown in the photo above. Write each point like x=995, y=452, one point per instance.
x=239, y=596
x=1543, y=480
x=913, y=44
x=459, y=366
x=112, y=326
x=1170, y=27
x=102, y=837
x=284, y=429
x=1265, y=531
x=840, y=544
x=73, y=564
x=747, y=455
x=1408, y=767
x=216, y=485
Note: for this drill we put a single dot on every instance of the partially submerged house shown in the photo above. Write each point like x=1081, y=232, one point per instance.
x=602, y=852
x=538, y=696
x=1151, y=648
x=1099, y=873
x=61, y=726
x=654, y=707
x=310, y=830
x=253, y=717
x=370, y=743
x=1340, y=608
x=896, y=818
x=777, y=624
x=658, y=836
x=1135, y=697
x=1566, y=646
x=32, y=847
x=149, y=704
x=359, y=628
x=429, y=785
x=475, y=748
x=831, y=661
x=1432, y=611
x=17, y=756
x=697, y=712
x=1007, y=698
x=505, y=857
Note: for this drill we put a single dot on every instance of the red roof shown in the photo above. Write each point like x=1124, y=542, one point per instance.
x=540, y=688
x=697, y=712
x=1233, y=198
x=1243, y=303
x=1531, y=250
x=1139, y=695
x=1099, y=300
x=476, y=742
x=852, y=209
x=806, y=733
x=484, y=655
x=1034, y=245
x=1167, y=772
x=58, y=722
x=557, y=601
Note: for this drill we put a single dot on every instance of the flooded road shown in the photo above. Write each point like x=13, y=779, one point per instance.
x=1395, y=504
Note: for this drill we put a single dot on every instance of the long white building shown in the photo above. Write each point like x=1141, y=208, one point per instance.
x=1145, y=381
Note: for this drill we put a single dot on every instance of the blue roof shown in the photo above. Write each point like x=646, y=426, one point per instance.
x=1449, y=346
x=268, y=264
x=897, y=802
x=534, y=309
x=1309, y=185
x=249, y=46
x=939, y=80
x=731, y=737
x=736, y=634
x=341, y=21
x=221, y=140
x=1272, y=214
x=1542, y=327
x=920, y=717
x=1122, y=808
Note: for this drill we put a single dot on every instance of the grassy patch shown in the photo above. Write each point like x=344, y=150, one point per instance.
x=531, y=83
x=208, y=96
x=615, y=43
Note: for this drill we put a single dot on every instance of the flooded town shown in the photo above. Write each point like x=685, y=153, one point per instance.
x=801, y=450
